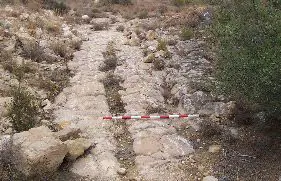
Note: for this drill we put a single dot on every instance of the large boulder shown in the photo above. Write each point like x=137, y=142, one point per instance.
x=37, y=151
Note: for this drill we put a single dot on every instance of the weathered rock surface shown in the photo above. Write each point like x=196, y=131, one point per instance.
x=210, y=178
x=76, y=147
x=37, y=151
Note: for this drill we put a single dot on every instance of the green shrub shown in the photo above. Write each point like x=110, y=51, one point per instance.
x=186, y=34
x=58, y=6
x=249, y=66
x=23, y=109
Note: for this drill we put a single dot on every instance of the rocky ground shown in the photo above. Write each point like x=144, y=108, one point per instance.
x=131, y=67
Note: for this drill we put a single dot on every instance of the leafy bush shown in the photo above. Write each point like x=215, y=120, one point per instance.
x=249, y=66
x=23, y=109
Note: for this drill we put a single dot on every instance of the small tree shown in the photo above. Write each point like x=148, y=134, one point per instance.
x=249, y=41
x=23, y=109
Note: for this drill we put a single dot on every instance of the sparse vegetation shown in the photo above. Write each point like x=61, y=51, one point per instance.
x=162, y=45
x=151, y=110
x=120, y=28
x=123, y=2
x=143, y=14
x=186, y=34
x=58, y=6
x=100, y=26
x=76, y=44
x=52, y=27
x=158, y=64
x=60, y=48
x=180, y=3
x=23, y=110
x=33, y=51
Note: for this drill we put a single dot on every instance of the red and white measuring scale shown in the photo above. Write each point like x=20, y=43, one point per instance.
x=153, y=117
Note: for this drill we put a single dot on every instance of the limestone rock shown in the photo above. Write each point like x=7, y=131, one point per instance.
x=122, y=171
x=76, y=147
x=85, y=17
x=24, y=16
x=210, y=178
x=147, y=146
x=37, y=151
x=3, y=102
x=214, y=148
x=151, y=35
x=150, y=58
x=69, y=132
x=176, y=146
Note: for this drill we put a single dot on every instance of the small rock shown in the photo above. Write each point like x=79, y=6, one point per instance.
x=76, y=147
x=151, y=35
x=234, y=132
x=24, y=16
x=85, y=17
x=122, y=171
x=9, y=131
x=45, y=103
x=159, y=54
x=150, y=58
x=152, y=48
x=210, y=178
x=67, y=133
x=134, y=41
x=1, y=38
x=214, y=148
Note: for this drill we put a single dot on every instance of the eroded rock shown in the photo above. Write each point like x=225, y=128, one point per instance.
x=37, y=151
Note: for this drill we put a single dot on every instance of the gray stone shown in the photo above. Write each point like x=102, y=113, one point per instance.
x=37, y=151
x=69, y=132
x=122, y=171
x=85, y=17
x=176, y=146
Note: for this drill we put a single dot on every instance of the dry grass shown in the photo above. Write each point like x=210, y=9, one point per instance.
x=76, y=44
x=158, y=64
x=53, y=27
x=60, y=48
x=33, y=51
x=100, y=26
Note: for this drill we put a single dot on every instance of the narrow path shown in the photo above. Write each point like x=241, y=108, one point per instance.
x=124, y=150
x=84, y=103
